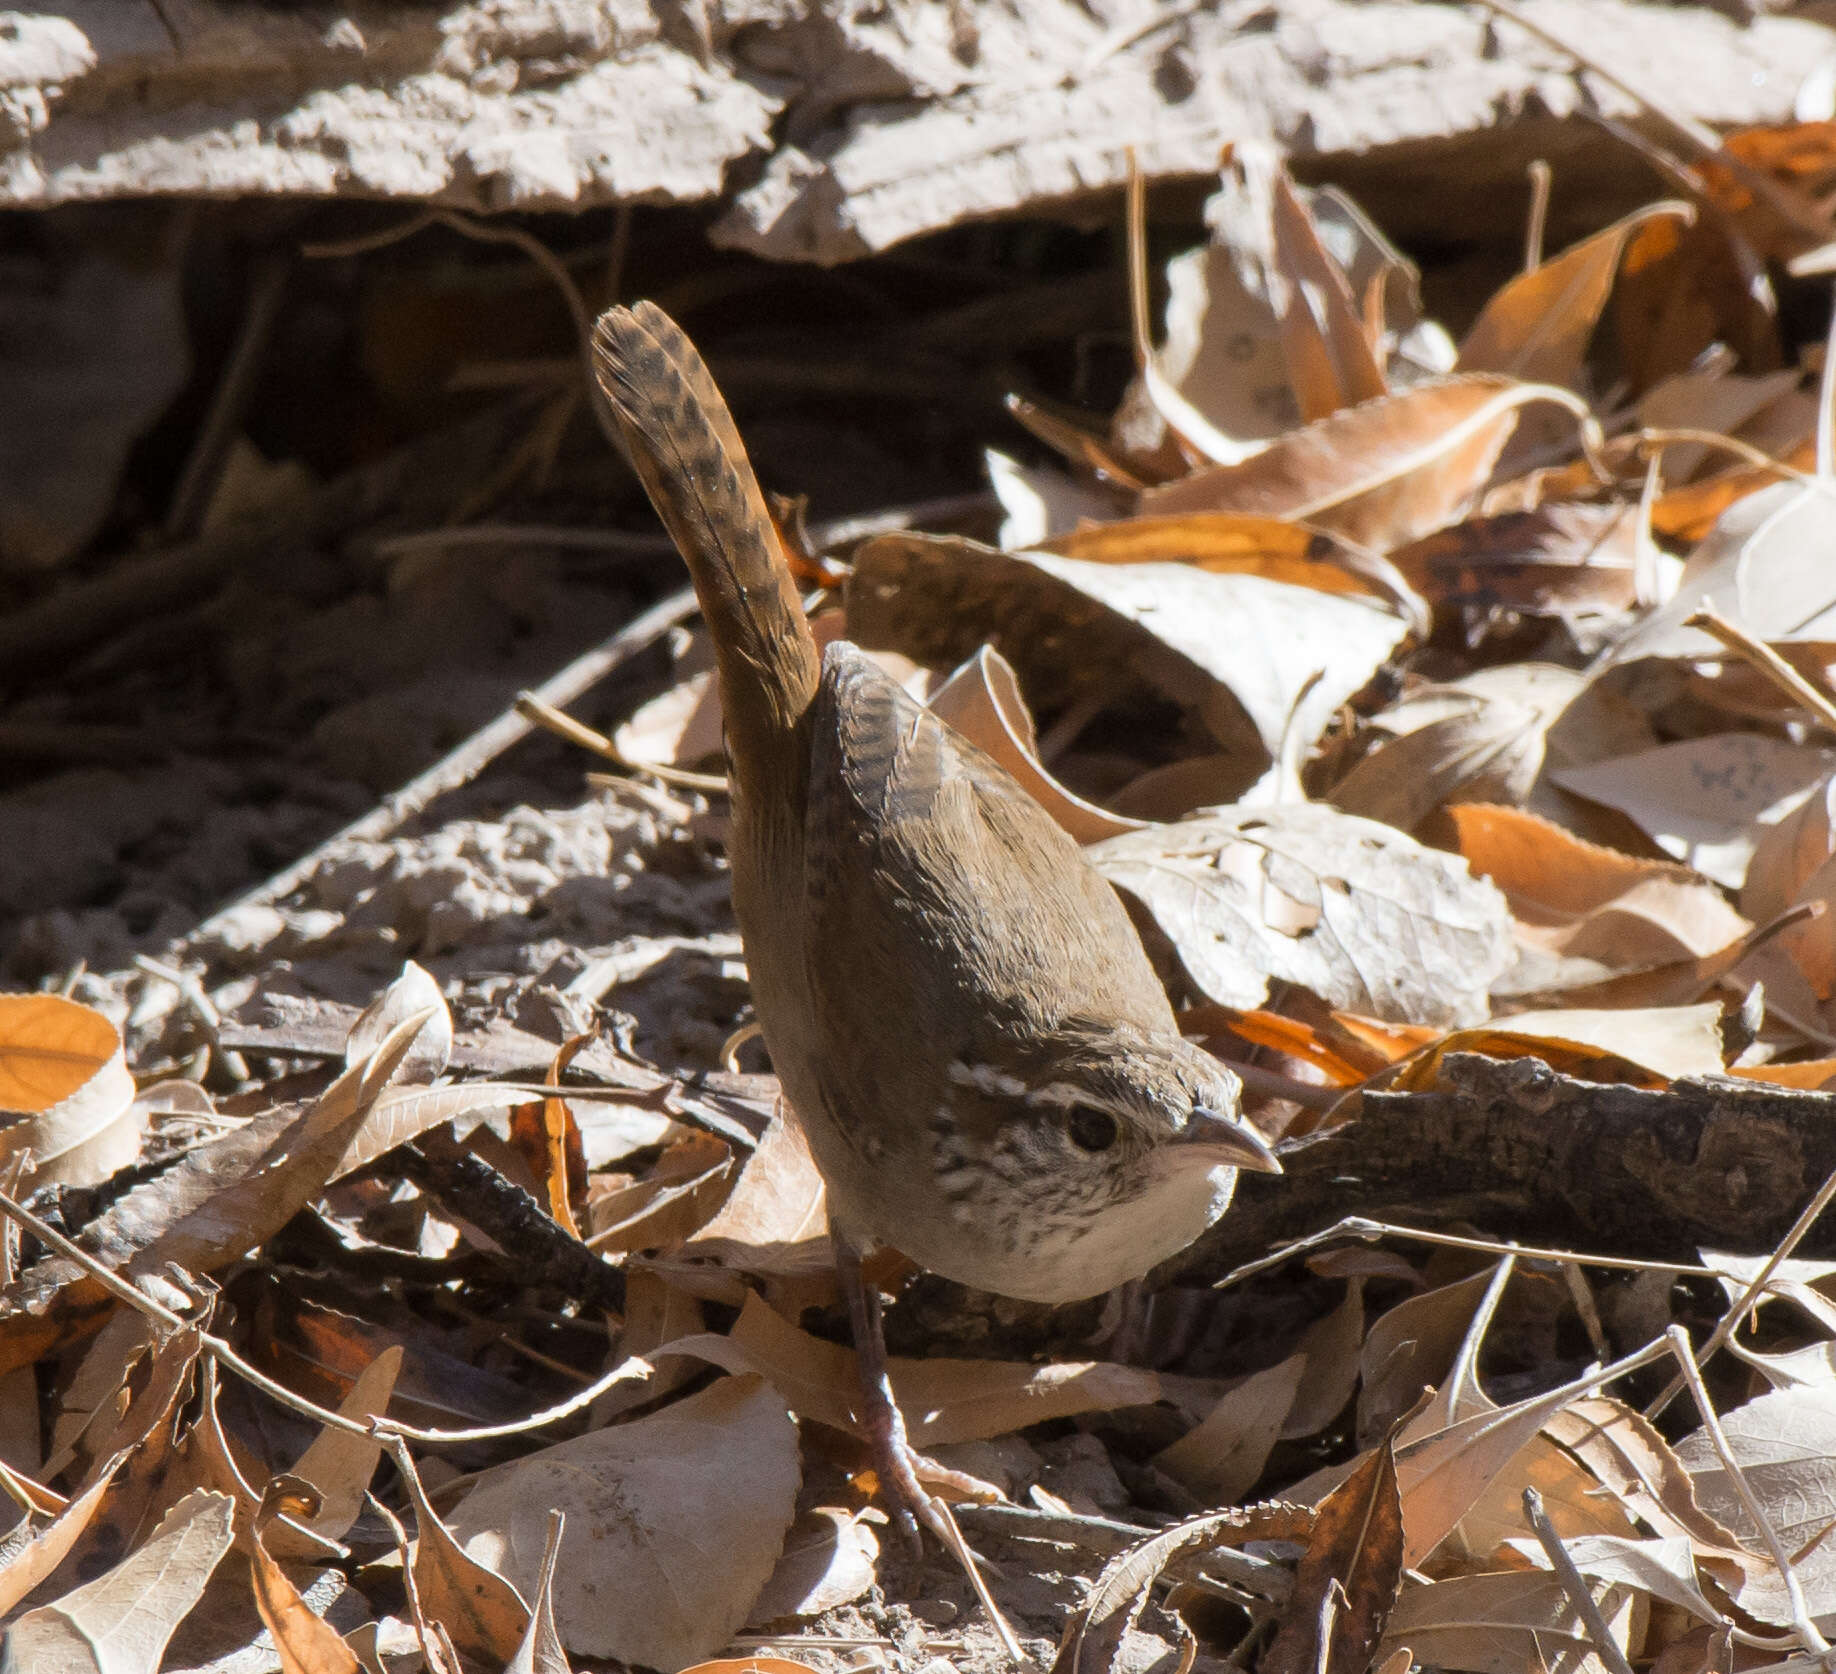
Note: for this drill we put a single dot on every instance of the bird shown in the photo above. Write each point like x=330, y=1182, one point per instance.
x=961, y=1015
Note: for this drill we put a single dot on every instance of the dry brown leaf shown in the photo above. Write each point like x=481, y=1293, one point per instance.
x=1789, y=853
x=30, y=1561
x=412, y=998
x=1710, y=398
x=1355, y=912
x=467, y=1596
x=1443, y=1476
x=305, y=1642
x=1411, y=1347
x=1705, y=801
x=1356, y=1544
x=120, y=1622
x=1537, y=326
x=1222, y=544
x=1666, y=1568
x=339, y=1465
x=830, y=1558
x=540, y=1650
x=63, y=1069
x=1238, y=649
x=1381, y=474
x=1769, y=564
x=217, y=1203
x=1481, y=739
x=1503, y=1624
x=1223, y=1456
x=1562, y=559
x=1331, y=362
x=1785, y=1443
x=1220, y=379
x=982, y=701
x=1093, y=1637
x=667, y=1207
x=1330, y=1348
x=775, y=1221
x=943, y=1400
x=648, y=1502
x=1578, y=899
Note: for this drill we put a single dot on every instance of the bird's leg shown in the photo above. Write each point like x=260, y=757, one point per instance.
x=902, y=1470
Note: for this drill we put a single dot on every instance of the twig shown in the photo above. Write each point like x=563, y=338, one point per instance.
x=462, y=765
x=204, y=467
x=1368, y=1231
x=1808, y=1636
x=1541, y=177
x=1767, y=661
x=1731, y=1321
x=626, y=1371
x=563, y=725
x=1799, y=214
x=1580, y=1595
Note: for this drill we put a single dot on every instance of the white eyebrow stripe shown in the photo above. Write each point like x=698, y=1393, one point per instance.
x=1063, y=1094
x=987, y=1080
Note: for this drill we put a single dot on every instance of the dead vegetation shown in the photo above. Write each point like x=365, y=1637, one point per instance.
x=1453, y=712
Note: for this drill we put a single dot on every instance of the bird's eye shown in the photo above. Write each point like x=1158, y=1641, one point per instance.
x=1091, y=1129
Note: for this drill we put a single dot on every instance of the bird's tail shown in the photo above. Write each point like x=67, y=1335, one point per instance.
x=682, y=442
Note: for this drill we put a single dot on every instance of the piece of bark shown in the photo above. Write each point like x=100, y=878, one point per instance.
x=830, y=129
x=1522, y=1152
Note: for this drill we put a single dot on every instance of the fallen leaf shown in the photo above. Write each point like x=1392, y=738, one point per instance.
x=1093, y=1637
x=1381, y=474
x=1576, y=899
x=120, y=1622
x=775, y=1220
x=1353, y=911
x=1331, y=362
x=830, y=1558
x=1705, y=801
x=1481, y=739
x=28, y=1561
x=63, y=1069
x=942, y=1400
x=340, y=1465
x=1769, y=564
x=305, y=1641
x=982, y=701
x=1356, y=1545
x=1237, y=649
x=1562, y=559
x=1223, y=1456
x=647, y=1502
x=540, y=1650
x=1411, y=1347
x=1783, y=1442
x=1503, y=1624
x=1537, y=326
x=467, y=1594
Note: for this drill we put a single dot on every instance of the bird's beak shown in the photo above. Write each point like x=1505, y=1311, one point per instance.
x=1221, y=1131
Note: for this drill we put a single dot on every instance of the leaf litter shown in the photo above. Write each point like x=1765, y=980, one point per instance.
x=425, y=1334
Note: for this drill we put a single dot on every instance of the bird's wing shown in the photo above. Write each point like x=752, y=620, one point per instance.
x=933, y=872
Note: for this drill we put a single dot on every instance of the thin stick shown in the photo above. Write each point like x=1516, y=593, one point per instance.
x=1801, y=215
x=1541, y=176
x=462, y=765
x=1580, y=1595
x=563, y=725
x=1808, y=1636
x=203, y=468
x=626, y=1371
x=1767, y=661
x=1731, y=1321
x=1356, y=1226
